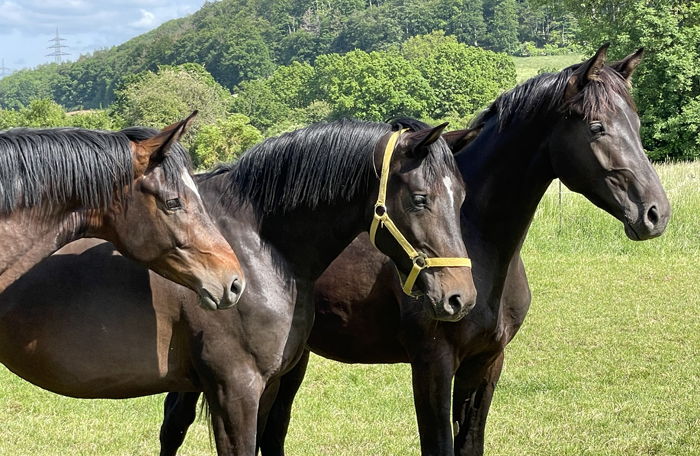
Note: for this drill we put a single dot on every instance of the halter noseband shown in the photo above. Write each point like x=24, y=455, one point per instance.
x=381, y=217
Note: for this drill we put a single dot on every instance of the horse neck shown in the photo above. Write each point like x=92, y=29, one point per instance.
x=308, y=239
x=26, y=241
x=507, y=173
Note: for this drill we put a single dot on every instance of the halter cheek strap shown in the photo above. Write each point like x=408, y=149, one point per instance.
x=381, y=219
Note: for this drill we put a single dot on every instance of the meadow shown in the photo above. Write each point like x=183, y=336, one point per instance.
x=527, y=67
x=607, y=362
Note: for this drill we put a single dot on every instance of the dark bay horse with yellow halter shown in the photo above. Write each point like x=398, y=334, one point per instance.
x=289, y=206
x=58, y=185
x=578, y=125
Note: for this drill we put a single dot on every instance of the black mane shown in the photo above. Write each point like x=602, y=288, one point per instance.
x=545, y=93
x=40, y=167
x=322, y=163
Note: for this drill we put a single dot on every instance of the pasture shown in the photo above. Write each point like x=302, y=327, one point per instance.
x=527, y=67
x=607, y=361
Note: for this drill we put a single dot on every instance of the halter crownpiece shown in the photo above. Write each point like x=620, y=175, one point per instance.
x=381, y=218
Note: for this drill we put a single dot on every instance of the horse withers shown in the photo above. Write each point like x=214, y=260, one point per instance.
x=131, y=187
x=578, y=125
x=289, y=206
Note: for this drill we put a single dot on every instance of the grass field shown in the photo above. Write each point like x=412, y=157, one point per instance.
x=607, y=363
x=527, y=67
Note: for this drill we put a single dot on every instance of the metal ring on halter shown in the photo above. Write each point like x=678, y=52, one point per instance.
x=379, y=210
x=420, y=261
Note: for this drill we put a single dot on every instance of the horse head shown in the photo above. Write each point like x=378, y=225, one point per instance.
x=164, y=225
x=596, y=148
x=417, y=221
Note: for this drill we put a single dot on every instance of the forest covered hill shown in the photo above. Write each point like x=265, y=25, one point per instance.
x=240, y=40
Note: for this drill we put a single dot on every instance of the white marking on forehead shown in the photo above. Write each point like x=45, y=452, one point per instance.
x=448, y=185
x=187, y=179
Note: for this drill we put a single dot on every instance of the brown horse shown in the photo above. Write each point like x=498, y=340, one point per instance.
x=58, y=185
x=578, y=125
x=288, y=207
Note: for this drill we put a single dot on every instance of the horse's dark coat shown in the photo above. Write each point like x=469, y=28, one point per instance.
x=578, y=125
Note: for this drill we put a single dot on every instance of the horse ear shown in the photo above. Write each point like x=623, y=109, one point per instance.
x=588, y=71
x=627, y=65
x=153, y=150
x=459, y=139
x=418, y=142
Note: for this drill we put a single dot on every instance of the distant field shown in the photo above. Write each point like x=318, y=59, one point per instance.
x=607, y=363
x=527, y=67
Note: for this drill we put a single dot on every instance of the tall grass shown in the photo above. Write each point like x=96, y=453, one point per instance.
x=607, y=362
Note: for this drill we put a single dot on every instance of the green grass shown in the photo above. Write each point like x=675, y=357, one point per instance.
x=527, y=67
x=607, y=362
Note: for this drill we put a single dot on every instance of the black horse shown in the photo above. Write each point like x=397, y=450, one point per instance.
x=578, y=125
x=289, y=207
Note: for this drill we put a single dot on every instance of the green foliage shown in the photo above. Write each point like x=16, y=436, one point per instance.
x=223, y=141
x=464, y=79
x=93, y=120
x=42, y=113
x=243, y=40
x=271, y=100
x=667, y=83
x=372, y=86
x=9, y=118
x=504, y=27
x=159, y=99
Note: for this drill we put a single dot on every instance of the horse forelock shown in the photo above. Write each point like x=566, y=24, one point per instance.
x=43, y=168
x=440, y=161
x=544, y=94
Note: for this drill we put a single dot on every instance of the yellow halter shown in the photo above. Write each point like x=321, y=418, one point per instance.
x=381, y=218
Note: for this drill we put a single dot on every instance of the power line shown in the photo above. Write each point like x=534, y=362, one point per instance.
x=58, y=48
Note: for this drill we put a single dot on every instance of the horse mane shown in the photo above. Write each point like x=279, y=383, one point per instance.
x=48, y=167
x=321, y=163
x=545, y=93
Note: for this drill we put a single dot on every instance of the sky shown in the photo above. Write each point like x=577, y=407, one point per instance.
x=26, y=26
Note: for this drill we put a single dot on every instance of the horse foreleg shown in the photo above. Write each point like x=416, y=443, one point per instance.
x=234, y=413
x=180, y=412
x=431, y=394
x=473, y=392
x=275, y=429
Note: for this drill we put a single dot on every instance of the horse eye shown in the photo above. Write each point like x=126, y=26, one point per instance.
x=597, y=128
x=420, y=200
x=173, y=204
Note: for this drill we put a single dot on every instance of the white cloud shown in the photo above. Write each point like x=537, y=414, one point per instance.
x=147, y=21
x=27, y=25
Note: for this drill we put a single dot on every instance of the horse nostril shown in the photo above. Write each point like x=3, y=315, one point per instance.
x=455, y=304
x=653, y=215
x=236, y=287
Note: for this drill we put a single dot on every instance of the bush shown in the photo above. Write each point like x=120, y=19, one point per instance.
x=159, y=99
x=223, y=141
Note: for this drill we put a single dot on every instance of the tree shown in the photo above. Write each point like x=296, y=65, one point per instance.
x=159, y=99
x=223, y=141
x=464, y=78
x=667, y=83
x=504, y=27
x=271, y=100
x=42, y=113
x=372, y=86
